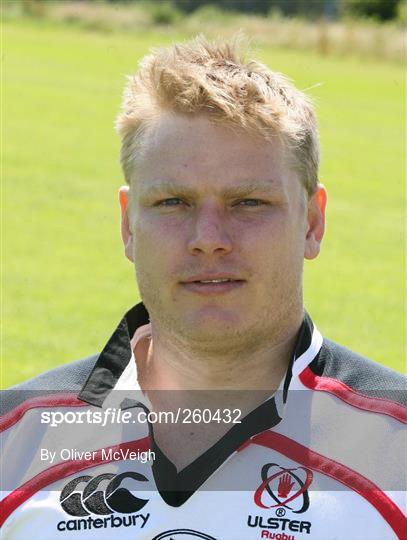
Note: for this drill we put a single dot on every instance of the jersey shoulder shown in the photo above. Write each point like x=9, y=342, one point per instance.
x=68, y=378
x=359, y=373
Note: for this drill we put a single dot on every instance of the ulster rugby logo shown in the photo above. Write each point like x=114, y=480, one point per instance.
x=83, y=496
x=285, y=488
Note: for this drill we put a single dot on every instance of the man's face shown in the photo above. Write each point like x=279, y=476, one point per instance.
x=210, y=204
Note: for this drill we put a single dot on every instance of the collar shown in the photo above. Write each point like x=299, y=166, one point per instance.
x=115, y=370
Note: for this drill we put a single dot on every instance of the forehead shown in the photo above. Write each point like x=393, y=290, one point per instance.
x=197, y=152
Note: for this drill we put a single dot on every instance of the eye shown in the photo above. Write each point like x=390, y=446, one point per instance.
x=250, y=202
x=173, y=201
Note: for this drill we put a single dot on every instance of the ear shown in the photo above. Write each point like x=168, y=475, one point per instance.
x=127, y=236
x=315, y=223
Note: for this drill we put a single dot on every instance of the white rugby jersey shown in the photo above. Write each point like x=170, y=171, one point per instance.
x=323, y=458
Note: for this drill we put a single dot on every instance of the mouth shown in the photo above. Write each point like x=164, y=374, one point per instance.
x=209, y=286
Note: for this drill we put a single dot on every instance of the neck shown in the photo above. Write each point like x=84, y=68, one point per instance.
x=166, y=364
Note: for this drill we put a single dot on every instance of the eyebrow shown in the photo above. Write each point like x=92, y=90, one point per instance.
x=240, y=190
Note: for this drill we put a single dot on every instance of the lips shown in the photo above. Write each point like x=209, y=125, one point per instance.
x=212, y=284
x=212, y=278
x=214, y=281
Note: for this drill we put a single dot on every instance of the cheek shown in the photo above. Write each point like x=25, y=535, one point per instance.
x=271, y=234
x=277, y=249
x=156, y=244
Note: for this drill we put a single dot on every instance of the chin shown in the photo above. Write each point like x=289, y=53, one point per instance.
x=211, y=321
x=215, y=314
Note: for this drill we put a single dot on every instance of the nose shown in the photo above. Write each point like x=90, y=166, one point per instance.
x=209, y=233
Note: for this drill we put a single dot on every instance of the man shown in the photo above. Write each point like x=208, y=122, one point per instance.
x=243, y=422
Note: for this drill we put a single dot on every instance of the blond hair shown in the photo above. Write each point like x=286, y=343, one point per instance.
x=214, y=79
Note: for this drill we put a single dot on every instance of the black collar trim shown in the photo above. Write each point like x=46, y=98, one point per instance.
x=114, y=358
x=177, y=487
x=304, y=340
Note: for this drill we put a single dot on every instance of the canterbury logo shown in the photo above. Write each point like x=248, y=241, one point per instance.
x=82, y=496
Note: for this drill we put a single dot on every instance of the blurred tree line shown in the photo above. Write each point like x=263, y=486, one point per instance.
x=377, y=9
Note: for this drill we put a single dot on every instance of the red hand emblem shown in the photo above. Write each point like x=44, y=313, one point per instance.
x=285, y=485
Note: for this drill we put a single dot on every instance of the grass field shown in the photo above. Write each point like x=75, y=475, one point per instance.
x=66, y=283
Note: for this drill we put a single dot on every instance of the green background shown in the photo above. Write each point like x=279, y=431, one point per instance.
x=66, y=283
